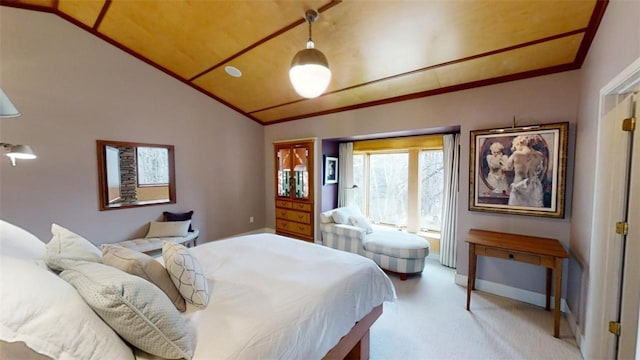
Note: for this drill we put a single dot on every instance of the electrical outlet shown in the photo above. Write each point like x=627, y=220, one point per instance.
x=250, y=219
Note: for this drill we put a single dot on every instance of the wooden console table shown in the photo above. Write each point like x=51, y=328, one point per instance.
x=528, y=249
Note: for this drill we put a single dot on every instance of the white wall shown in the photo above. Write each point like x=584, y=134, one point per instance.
x=74, y=88
x=545, y=99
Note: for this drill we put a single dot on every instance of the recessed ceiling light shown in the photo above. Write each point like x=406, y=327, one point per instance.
x=233, y=71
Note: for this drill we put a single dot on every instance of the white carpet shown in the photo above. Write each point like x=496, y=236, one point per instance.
x=430, y=321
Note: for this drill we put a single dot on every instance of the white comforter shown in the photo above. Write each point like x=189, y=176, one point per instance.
x=277, y=298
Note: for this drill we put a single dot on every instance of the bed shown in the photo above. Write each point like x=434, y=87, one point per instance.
x=271, y=297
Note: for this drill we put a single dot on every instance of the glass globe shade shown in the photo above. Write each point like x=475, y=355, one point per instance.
x=309, y=73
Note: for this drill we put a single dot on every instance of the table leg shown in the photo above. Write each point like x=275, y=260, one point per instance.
x=548, y=304
x=471, y=276
x=557, y=294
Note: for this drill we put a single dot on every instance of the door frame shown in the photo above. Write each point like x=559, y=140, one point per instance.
x=602, y=300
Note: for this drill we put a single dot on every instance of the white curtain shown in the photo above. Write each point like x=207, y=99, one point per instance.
x=448, y=234
x=345, y=174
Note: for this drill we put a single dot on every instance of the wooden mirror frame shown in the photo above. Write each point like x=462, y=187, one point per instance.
x=103, y=188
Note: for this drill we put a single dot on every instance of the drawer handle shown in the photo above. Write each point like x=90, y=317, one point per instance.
x=284, y=225
x=510, y=256
x=300, y=216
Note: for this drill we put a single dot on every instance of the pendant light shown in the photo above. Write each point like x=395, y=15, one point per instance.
x=309, y=72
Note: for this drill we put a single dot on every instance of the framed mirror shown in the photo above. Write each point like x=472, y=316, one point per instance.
x=135, y=174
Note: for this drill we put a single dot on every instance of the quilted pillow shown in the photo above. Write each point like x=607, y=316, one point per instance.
x=169, y=216
x=142, y=265
x=361, y=222
x=136, y=309
x=186, y=272
x=159, y=229
x=67, y=247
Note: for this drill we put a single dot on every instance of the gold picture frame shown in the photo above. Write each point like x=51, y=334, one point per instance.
x=519, y=171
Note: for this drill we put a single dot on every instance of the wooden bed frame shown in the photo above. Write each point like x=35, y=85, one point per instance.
x=355, y=345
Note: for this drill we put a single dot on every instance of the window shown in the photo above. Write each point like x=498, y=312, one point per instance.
x=431, y=189
x=153, y=166
x=400, y=185
x=388, y=188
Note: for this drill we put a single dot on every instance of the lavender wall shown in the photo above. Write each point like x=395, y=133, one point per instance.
x=72, y=89
x=329, y=191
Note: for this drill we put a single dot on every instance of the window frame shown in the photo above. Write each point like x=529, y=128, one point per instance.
x=408, y=145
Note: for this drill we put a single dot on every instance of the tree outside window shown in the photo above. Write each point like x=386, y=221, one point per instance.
x=431, y=189
x=383, y=193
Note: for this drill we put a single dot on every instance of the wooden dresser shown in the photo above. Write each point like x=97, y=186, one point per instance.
x=294, y=189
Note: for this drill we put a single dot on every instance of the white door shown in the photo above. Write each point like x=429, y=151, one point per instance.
x=630, y=277
x=614, y=285
x=612, y=189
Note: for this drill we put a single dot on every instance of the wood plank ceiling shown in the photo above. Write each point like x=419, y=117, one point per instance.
x=378, y=51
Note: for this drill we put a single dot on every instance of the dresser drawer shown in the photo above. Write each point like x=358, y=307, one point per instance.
x=510, y=255
x=283, y=204
x=282, y=213
x=293, y=227
x=302, y=217
x=301, y=206
x=299, y=216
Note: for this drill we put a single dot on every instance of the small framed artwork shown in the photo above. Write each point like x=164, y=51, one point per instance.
x=330, y=170
x=519, y=171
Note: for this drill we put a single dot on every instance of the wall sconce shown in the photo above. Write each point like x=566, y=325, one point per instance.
x=7, y=110
x=18, y=152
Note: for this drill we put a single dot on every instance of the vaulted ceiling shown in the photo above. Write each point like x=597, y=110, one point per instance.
x=379, y=51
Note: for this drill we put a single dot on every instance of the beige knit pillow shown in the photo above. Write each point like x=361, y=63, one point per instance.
x=158, y=229
x=144, y=266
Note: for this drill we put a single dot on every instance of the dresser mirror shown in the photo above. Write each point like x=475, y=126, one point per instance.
x=135, y=174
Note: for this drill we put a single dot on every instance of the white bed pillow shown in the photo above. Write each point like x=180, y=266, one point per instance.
x=326, y=217
x=18, y=243
x=142, y=265
x=67, y=247
x=135, y=308
x=159, y=229
x=341, y=215
x=186, y=272
x=46, y=313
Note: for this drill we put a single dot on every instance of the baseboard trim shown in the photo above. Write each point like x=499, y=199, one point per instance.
x=256, y=231
x=527, y=296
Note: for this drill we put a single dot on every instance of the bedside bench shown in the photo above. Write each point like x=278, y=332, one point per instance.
x=153, y=246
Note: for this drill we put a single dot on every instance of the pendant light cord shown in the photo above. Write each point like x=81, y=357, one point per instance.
x=310, y=44
x=311, y=16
